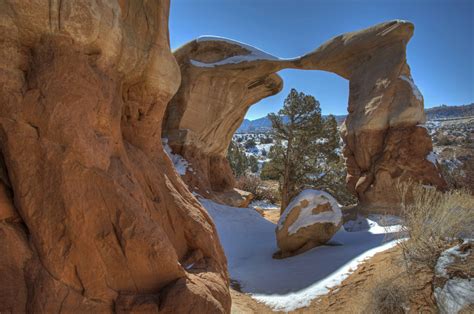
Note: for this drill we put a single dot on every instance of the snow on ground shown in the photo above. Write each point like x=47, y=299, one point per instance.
x=378, y=224
x=432, y=158
x=181, y=165
x=265, y=147
x=263, y=205
x=288, y=284
x=306, y=216
x=457, y=293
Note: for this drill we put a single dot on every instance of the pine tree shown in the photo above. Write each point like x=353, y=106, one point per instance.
x=253, y=163
x=304, y=144
x=237, y=159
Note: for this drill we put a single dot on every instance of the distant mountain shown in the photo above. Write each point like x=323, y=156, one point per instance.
x=263, y=125
x=445, y=112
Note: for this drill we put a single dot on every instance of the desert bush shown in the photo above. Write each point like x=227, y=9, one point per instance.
x=269, y=172
x=388, y=297
x=256, y=186
x=432, y=220
x=459, y=176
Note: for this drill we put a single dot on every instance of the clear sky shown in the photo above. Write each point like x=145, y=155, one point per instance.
x=440, y=54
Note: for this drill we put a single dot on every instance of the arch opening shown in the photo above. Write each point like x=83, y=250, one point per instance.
x=222, y=78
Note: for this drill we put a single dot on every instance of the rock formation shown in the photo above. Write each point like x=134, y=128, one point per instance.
x=216, y=91
x=311, y=219
x=93, y=216
x=384, y=139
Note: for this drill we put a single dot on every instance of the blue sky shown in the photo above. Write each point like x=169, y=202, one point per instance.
x=440, y=54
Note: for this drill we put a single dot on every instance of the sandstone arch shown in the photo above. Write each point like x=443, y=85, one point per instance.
x=221, y=79
x=93, y=218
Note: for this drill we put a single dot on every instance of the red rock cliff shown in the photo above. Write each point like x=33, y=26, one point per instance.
x=93, y=217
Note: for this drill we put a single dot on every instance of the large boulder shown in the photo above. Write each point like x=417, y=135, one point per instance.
x=106, y=223
x=311, y=219
x=385, y=141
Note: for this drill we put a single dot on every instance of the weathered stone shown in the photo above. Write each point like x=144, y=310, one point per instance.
x=222, y=78
x=107, y=224
x=311, y=219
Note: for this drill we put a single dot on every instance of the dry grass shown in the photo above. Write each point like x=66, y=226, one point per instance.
x=433, y=220
x=388, y=297
x=256, y=186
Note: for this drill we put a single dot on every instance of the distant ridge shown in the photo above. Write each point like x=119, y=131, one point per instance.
x=263, y=125
x=444, y=112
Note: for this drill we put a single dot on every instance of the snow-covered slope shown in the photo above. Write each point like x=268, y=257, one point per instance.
x=291, y=283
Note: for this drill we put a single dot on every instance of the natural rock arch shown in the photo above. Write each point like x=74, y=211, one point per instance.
x=384, y=141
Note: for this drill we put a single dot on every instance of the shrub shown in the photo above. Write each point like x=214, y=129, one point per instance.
x=256, y=186
x=253, y=163
x=250, y=144
x=459, y=176
x=388, y=297
x=269, y=172
x=432, y=220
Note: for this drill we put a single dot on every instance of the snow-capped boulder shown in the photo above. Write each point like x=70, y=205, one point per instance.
x=454, y=283
x=311, y=219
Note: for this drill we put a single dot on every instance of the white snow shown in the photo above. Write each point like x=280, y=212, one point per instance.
x=254, y=53
x=180, y=164
x=306, y=217
x=291, y=283
x=267, y=147
x=446, y=258
x=414, y=88
x=263, y=205
x=377, y=224
x=432, y=158
x=457, y=292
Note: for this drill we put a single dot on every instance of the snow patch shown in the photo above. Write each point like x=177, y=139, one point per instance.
x=447, y=258
x=432, y=158
x=377, y=224
x=414, y=88
x=306, y=217
x=263, y=205
x=291, y=283
x=457, y=292
x=180, y=164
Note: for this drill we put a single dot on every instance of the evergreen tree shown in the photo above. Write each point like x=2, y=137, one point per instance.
x=237, y=159
x=250, y=144
x=304, y=144
x=253, y=163
x=269, y=172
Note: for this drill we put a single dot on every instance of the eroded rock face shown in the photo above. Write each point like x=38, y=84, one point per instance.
x=215, y=94
x=106, y=223
x=311, y=219
x=384, y=141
